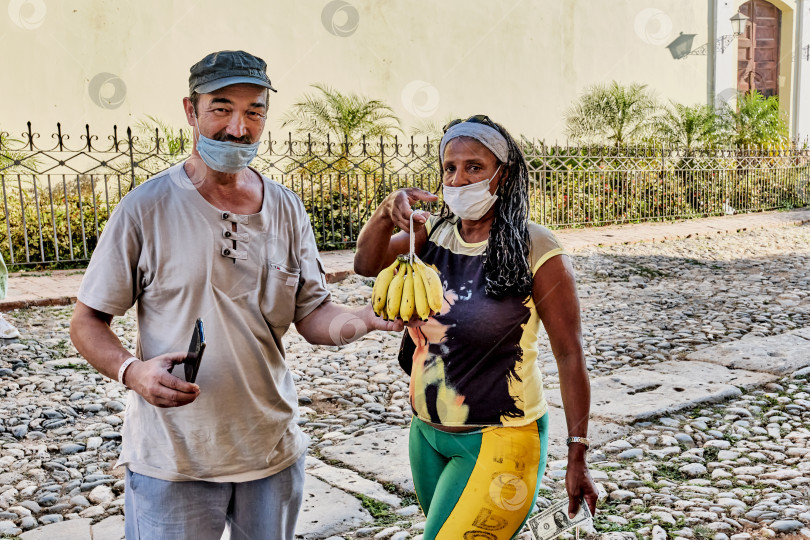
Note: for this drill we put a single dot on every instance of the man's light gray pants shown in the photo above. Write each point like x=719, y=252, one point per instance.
x=264, y=509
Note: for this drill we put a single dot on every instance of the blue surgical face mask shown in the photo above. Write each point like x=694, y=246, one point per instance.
x=471, y=201
x=224, y=156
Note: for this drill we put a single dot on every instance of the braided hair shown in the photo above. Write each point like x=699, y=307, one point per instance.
x=506, y=259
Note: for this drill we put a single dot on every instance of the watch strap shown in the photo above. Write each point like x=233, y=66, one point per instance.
x=580, y=440
x=124, y=367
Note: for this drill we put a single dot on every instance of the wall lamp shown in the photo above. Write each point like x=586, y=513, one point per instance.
x=682, y=46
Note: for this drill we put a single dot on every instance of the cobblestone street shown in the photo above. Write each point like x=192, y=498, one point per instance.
x=727, y=457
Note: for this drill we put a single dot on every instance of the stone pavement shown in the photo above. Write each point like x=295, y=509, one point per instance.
x=700, y=414
x=59, y=287
x=574, y=239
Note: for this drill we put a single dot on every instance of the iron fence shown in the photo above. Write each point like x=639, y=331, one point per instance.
x=57, y=195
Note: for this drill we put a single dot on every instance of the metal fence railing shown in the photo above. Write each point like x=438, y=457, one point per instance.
x=58, y=195
x=583, y=186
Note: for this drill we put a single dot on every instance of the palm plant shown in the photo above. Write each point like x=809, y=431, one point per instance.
x=756, y=120
x=430, y=129
x=13, y=161
x=689, y=126
x=173, y=141
x=346, y=117
x=615, y=113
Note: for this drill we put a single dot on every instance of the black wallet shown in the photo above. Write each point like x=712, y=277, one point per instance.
x=406, y=350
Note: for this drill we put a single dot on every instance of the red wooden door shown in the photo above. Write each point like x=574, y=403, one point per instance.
x=758, y=48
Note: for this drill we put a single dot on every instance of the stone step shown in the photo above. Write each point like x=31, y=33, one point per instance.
x=781, y=355
x=638, y=394
x=383, y=454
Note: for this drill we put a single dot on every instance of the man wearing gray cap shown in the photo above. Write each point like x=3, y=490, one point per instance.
x=211, y=238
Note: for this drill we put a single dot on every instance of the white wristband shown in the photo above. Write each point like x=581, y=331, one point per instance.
x=124, y=367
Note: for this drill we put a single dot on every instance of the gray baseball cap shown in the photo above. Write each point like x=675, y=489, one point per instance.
x=225, y=68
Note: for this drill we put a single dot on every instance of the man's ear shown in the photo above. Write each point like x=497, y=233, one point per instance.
x=188, y=108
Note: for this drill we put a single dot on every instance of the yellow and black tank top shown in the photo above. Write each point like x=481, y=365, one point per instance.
x=475, y=363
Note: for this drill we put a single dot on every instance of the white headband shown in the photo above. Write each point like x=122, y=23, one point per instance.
x=488, y=136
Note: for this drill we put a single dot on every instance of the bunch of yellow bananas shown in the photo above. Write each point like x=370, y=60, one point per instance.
x=406, y=290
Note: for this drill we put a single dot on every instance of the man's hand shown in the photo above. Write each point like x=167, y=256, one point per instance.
x=330, y=324
x=399, y=207
x=378, y=323
x=152, y=381
x=579, y=484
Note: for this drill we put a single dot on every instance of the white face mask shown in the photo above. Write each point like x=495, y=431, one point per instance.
x=471, y=201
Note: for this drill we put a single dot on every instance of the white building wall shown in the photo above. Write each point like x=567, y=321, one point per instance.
x=101, y=63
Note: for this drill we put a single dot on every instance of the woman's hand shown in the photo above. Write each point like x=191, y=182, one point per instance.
x=398, y=207
x=578, y=482
x=376, y=248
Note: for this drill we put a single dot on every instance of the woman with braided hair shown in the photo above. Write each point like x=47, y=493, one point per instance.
x=479, y=435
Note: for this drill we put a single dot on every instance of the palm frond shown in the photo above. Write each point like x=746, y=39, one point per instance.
x=756, y=120
x=689, y=126
x=327, y=112
x=613, y=113
x=173, y=141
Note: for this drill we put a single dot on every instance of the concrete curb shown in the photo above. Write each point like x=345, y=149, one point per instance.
x=339, y=264
x=39, y=302
x=11, y=305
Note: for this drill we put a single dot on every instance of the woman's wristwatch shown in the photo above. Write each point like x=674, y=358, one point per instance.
x=580, y=440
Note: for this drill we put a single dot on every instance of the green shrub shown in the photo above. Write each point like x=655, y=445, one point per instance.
x=689, y=126
x=613, y=113
x=60, y=225
x=755, y=120
x=596, y=186
x=338, y=205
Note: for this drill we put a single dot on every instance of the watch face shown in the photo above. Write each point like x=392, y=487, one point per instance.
x=581, y=440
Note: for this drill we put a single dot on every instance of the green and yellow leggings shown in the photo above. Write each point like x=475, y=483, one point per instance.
x=477, y=485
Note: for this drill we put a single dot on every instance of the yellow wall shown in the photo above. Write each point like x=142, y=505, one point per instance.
x=520, y=61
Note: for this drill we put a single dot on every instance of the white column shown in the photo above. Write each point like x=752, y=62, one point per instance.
x=725, y=62
x=801, y=91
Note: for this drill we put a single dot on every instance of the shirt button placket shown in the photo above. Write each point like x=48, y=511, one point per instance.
x=227, y=234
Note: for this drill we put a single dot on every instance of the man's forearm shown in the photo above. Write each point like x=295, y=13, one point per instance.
x=330, y=324
x=96, y=342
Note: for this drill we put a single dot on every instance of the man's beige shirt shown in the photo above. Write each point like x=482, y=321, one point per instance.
x=248, y=277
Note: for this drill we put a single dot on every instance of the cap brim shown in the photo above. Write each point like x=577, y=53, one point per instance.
x=211, y=86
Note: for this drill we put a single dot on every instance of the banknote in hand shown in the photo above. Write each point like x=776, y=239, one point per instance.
x=554, y=520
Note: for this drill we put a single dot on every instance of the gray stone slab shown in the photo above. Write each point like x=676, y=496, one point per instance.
x=780, y=355
x=111, y=528
x=71, y=529
x=384, y=455
x=803, y=332
x=67, y=362
x=638, y=394
x=350, y=481
x=599, y=433
x=328, y=511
